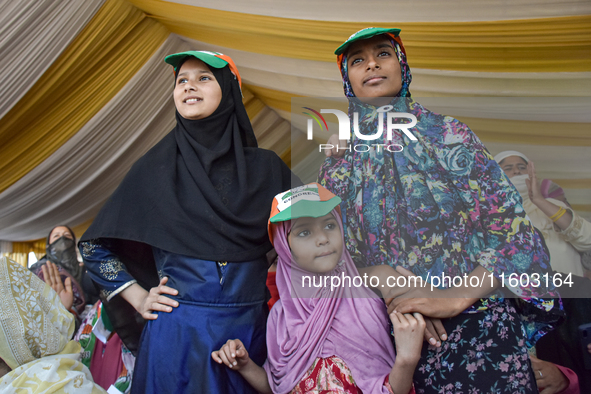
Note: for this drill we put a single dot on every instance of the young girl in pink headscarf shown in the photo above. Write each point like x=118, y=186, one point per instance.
x=321, y=336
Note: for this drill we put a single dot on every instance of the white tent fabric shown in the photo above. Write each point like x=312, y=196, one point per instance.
x=33, y=34
x=73, y=183
x=314, y=78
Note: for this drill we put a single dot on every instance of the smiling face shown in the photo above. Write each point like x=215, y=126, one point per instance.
x=373, y=68
x=513, y=165
x=197, y=94
x=58, y=232
x=316, y=243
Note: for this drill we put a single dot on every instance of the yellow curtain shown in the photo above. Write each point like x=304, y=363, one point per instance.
x=19, y=258
x=97, y=64
x=529, y=132
x=575, y=183
x=252, y=104
x=531, y=45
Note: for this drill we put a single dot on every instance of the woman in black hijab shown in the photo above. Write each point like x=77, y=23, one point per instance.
x=190, y=218
x=60, y=249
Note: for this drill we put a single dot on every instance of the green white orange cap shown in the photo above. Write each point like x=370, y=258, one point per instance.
x=364, y=34
x=311, y=200
x=212, y=59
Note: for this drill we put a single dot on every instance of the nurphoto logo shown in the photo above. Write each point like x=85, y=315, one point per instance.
x=384, y=116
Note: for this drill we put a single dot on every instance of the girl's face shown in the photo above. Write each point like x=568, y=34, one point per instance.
x=373, y=68
x=514, y=165
x=316, y=243
x=197, y=94
x=58, y=232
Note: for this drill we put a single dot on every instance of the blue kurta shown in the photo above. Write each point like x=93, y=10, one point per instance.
x=217, y=301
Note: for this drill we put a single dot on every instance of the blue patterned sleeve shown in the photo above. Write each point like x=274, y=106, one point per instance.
x=105, y=268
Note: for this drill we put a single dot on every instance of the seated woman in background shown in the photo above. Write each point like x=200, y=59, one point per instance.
x=560, y=367
x=565, y=232
x=40, y=358
x=61, y=250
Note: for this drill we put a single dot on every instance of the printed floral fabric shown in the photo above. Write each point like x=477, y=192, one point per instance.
x=36, y=342
x=330, y=375
x=486, y=354
x=441, y=205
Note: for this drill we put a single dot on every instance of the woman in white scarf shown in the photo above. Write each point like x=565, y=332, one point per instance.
x=565, y=232
x=36, y=353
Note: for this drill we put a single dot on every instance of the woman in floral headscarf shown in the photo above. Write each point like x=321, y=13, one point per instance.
x=438, y=204
x=35, y=332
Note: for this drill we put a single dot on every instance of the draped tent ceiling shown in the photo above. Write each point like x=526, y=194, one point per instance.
x=85, y=91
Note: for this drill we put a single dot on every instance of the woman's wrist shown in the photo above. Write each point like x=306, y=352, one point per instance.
x=459, y=299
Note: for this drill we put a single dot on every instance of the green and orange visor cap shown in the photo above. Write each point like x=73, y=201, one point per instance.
x=311, y=200
x=364, y=34
x=212, y=59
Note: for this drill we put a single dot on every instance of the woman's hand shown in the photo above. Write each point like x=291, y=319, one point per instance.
x=434, y=331
x=52, y=277
x=533, y=187
x=233, y=354
x=434, y=303
x=339, y=147
x=156, y=302
x=549, y=378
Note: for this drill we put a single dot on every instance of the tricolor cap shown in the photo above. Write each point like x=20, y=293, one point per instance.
x=212, y=59
x=311, y=200
x=364, y=34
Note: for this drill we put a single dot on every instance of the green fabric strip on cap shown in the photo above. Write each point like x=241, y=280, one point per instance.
x=364, y=34
x=208, y=58
x=307, y=208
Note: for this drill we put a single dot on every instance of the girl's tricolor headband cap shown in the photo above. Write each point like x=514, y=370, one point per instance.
x=364, y=34
x=213, y=59
x=311, y=200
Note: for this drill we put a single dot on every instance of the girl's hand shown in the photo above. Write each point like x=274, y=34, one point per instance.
x=156, y=302
x=233, y=354
x=52, y=277
x=434, y=332
x=408, y=333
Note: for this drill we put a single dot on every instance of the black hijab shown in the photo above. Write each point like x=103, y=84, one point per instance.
x=205, y=190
